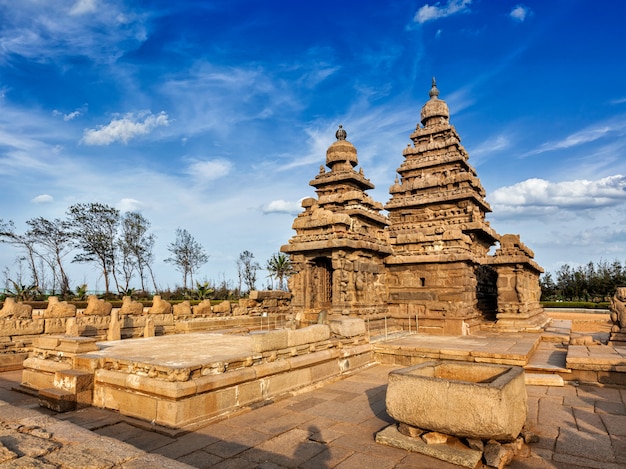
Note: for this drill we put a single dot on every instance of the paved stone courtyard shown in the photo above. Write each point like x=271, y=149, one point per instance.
x=331, y=426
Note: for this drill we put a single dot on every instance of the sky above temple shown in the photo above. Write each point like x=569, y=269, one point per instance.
x=213, y=116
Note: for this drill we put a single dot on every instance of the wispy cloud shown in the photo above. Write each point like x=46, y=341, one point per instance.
x=209, y=170
x=71, y=115
x=82, y=7
x=486, y=148
x=586, y=135
x=434, y=12
x=125, y=129
x=48, y=31
x=520, y=13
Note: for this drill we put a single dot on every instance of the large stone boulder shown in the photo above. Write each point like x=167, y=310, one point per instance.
x=11, y=309
x=223, y=308
x=182, y=309
x=463, y=399
x=203, y=308
x=129, y=306
x=97, y=307
x=59, y=309
x=160, y=306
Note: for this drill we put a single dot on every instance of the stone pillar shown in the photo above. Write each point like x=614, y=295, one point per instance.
x=115, y=328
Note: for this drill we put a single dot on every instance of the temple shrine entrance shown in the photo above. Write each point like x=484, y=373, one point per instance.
x=322, y=283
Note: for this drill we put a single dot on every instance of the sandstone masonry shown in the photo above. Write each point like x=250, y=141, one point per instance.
x=427, y=261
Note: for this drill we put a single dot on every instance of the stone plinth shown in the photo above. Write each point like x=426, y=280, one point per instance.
x=463, y=399
x=180, y=381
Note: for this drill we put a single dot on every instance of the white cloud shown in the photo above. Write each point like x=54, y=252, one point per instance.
x=434, y=12
x=519, y=13
x=283, y=206
x=125, y=129
x=209, y=170
x=83, y=6
x=542, y=196
x=130, y=205
x=43, y=199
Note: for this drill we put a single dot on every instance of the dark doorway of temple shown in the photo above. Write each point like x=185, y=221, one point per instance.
x=322, y=283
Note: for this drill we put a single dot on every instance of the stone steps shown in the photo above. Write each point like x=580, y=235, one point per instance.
x=548, y=362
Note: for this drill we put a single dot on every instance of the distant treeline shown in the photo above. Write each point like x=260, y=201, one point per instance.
x=591, y=282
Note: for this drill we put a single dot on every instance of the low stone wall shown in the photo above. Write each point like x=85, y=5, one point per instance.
x=20, y=324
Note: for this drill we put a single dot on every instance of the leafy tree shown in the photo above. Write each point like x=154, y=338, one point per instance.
x=247, y=270
x=21, y=292
x=279, y=267
x=93, y=228
x=203, y=290
x=187, y=255
x=55, y=239
x=81, y=292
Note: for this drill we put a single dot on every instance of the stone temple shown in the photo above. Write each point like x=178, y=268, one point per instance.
x=432, y=260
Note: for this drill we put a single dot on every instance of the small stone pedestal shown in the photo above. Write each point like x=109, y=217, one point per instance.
x=49, y=371
x=453, y=400
x=464, y=399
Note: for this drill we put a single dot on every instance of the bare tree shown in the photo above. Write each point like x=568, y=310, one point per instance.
x=136, y=245
x=247, y=269
x=8, y=235
x=187, y=255
x=55, y=239
x=94, y=230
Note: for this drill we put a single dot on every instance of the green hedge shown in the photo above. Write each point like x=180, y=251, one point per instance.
x=575, y=304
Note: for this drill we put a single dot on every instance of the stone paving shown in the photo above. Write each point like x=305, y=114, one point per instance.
x=331, y=426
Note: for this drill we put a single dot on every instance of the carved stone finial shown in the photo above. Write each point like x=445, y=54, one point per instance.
x=434, y=92
x=341, y=134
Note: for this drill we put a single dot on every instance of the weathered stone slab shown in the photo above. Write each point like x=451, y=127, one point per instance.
x=12, y=327
x=455, y=454
x=307, y=335
x=464, y=399
x=270, y=340
x=348, y=327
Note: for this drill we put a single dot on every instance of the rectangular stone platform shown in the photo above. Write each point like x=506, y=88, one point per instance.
x=180, y=381
x=507, y=349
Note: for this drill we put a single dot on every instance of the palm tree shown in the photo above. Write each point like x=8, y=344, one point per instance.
x=279, y=266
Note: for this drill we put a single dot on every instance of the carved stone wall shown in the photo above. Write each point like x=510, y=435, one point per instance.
x=428, y=258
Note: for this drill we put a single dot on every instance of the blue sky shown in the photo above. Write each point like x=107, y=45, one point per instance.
x=213, y=116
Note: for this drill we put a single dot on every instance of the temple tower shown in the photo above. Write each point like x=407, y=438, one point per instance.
x=340, y=243
x=438, y=232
